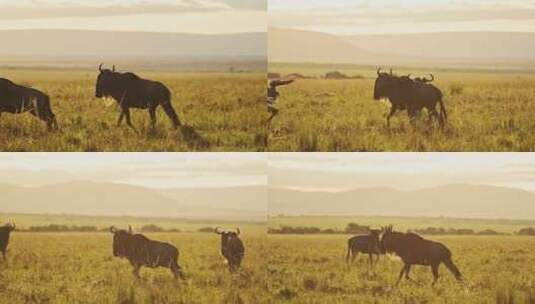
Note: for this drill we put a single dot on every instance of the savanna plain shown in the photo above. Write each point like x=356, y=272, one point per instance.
x=312, y=268
x=75, y=267
x=488, y=110
x=220, y=111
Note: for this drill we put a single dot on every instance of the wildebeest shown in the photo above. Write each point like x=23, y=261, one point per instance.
x=131, y=91
x=405, y=93
x=415, y=250
x=141, y=251
x=17, y=99
x=367, y=244
x=231, y=248
x=5, y=231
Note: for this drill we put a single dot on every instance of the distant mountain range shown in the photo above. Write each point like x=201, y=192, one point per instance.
x=462, y=201
x=492, y=50
x=110, y=199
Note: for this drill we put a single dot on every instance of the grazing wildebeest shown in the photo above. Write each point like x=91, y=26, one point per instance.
x=131, y=91
x=141, y=251
x=425, y=80
x=5, y=231
x=415, y=250
x=367, y=244
x=405, y=93
x=231, y=248
x=17, y=99
x=273, y=94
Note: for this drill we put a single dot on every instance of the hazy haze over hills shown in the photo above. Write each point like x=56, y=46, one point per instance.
x=461, y=200
x=247, y=203
x=486, y=49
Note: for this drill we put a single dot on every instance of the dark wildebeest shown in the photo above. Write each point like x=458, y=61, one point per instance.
x=273, y=94
x=415, y=250
x=5, y=231
x=367, y=244
x=425, y=80
x=141, y=251
x=131, y=91
x=405, y=93
x=17, y=99
x=231, y=248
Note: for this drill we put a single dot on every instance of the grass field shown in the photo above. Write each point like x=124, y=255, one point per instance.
x=222, y=112
x=487, y=112
x=312, y=269
x=80, y=268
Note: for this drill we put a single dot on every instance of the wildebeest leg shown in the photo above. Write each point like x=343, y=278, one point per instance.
x=434, y=268
x=152, y=113
x=121, y=116
x=353, y=256
x=403, y=270
x=136, y=270
x=128, y=120
x=393, y=111
x=4, y=255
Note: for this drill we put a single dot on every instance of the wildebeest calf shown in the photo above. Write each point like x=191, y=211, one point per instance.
x=367, y=244
x=5, y=231
x=17, y=99
x=231, y=248
x=141, y=251
x=131, y=91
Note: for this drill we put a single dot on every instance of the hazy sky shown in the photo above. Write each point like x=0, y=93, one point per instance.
x=184, y=16
x=402, y=16
x=154, y=170
x=342, y=171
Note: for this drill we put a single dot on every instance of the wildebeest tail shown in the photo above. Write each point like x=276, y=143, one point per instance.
x=451, y=266
x=348, y=250
x=443, y=112
x=170, y=111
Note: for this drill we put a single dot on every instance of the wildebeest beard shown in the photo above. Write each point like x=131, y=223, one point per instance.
x=131, y=91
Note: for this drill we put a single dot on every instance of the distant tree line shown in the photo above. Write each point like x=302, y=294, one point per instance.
x=354, y=228
x=73, y=228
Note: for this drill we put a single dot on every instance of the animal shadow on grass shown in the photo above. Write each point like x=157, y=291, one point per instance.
x=193, y=138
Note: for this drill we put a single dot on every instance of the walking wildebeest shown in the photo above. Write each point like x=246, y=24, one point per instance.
x=367, y=244
x=273, y=94
x=415, y=250
x=5, y=231
x=405, y=93
x=231, y=248
x=131, y=91
x=141, y=251
x=17, y=99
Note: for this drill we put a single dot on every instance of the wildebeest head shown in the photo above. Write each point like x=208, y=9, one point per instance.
x=121, y=239
x=104, y=81
x=227, y=236
x=383, y=85
x=388, y=239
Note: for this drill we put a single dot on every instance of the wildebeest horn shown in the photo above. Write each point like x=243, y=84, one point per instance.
x=378, y=71
x=238, y=230
x=113, y=69
x=432, y=77
x=216, y=230
x=391, y=71
x=112, y=229
x=12, y=224
x=130, y=228
x=100, y=67
x=409, y=76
